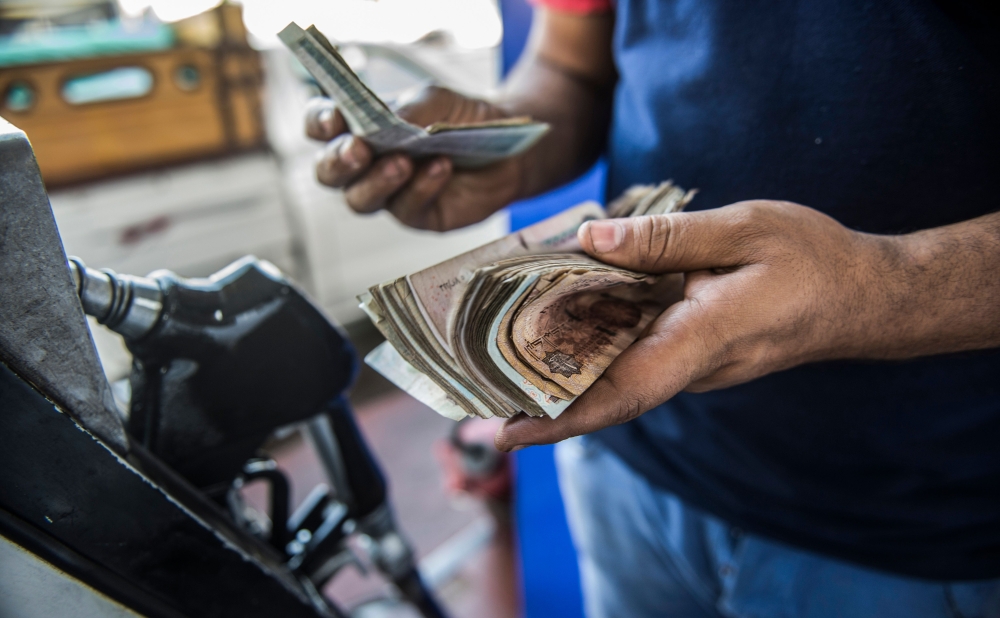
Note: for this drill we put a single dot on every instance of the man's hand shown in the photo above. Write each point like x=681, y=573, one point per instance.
x=427, y=195
x=770, y=285
x=565, y=78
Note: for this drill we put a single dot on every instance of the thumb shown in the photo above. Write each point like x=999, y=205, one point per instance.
x=428, y=105
x=677, y=242
x=323, y=121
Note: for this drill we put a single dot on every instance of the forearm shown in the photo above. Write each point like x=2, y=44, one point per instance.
x=935, y=291
x=566, y=78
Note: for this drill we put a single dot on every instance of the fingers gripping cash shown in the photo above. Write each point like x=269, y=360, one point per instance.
x=368, y=117
x=525, y=323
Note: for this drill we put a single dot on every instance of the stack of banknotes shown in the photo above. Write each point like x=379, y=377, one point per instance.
x=367, y=116
x=523, y=324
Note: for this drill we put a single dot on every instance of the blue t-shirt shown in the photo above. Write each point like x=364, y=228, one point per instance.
x=885, y=116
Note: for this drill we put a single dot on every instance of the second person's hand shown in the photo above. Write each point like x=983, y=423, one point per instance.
x=768, y=285
x=426, y=194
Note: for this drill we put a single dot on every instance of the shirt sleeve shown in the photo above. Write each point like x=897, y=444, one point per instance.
x=576, y=6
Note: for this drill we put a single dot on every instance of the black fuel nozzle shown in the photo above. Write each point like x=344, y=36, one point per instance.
x=219, y=362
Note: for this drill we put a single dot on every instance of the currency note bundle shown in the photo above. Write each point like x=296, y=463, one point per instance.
x=523, y=324
x=469, y=145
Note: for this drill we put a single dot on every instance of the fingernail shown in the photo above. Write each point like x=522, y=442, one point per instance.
x=394, y=169
x=325, y=119
x=347, y=155
x=605, y=236
x=436, y=168
x=518, y=447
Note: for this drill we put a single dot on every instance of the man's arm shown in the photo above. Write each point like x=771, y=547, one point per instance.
x=565, y=78
x=941, y=291
x=771, y=285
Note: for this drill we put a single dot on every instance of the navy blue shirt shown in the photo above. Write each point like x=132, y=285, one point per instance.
x=885, y=116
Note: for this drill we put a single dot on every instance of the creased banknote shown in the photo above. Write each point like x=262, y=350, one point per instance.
x=469, y=145
x=523, y=324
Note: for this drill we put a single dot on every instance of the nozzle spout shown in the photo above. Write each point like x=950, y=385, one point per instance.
x=128, y=305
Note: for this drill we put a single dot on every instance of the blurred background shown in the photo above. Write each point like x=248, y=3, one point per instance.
x=170, y=136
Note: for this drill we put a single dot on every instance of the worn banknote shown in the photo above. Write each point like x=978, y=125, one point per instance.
x=523, y=324
x=469, y=145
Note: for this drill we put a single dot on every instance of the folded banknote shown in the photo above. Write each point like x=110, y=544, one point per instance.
x=525, y=323
x=469, y=145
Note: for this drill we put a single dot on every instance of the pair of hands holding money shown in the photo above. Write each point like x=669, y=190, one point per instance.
x=768, y=285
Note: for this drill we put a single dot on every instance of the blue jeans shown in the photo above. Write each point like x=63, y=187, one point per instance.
x=643, y=552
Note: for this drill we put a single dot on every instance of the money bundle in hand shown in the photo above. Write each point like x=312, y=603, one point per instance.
x=368, y=117
x=523, y=324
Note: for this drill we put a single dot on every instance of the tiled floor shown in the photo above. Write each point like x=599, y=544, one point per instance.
x=401, y=432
